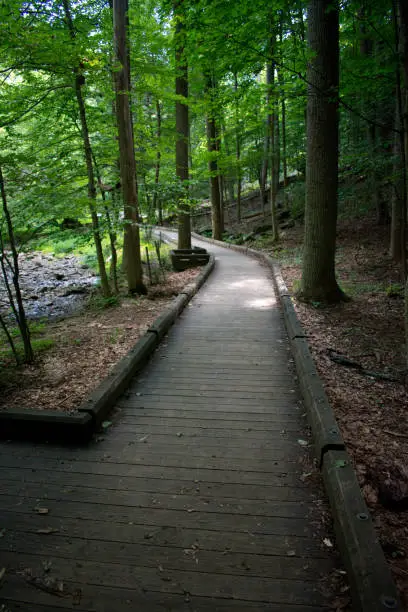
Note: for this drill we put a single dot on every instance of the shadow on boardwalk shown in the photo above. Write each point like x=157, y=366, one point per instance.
x=194, y=500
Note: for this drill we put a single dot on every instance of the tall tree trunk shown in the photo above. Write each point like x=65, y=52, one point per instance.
x=283, y=123
x=402, y=38
x=109, y=224
x=272, y=130
x=367, y=50
x=229, y=182
x=398, y=221
x=17, y=305
x=238, y=148
x=318, y=272
x=79, y=81
x=127, y=160
x=182, y=124
x=265, y=162
x=156, y=199
x=213, y=164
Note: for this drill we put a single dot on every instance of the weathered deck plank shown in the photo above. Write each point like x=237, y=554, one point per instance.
x=195, y=499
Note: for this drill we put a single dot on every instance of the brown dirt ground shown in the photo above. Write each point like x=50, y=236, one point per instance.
x=372, y=414
x=85, y=348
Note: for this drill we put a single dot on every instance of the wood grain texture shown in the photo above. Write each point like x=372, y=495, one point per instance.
x=195, y=498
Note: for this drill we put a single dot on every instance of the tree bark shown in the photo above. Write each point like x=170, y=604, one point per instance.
x=156, y=199
x=397, y=233
x=402, y=38
x=88, y=160
x=212, y=139
x=318, y=272
x=127, y=160
x=273, y=133
x=182, y=125
x=238, y=149
x=18, y=309
x=281, y=81
x=264, y=167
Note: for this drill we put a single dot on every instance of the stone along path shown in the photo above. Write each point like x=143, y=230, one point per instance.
x=194, y=500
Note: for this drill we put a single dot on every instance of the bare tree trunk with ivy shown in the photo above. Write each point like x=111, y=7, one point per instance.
x=16, y=304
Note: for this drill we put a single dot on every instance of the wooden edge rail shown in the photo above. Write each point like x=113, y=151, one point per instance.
x=372, y=587
x=53, y=426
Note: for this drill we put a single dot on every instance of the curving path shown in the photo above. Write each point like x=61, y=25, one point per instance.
x=197, y=498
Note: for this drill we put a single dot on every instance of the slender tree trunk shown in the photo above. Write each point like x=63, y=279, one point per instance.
x=229, y=182
x=156, y=199
x=318, y=272
x=272, y=129
x=182, y=124
x=265, y=162
x=18, y=309
x=238, y=148
x=397, y=233
x=401, y=10
x=79, y=81
x=283, y=124
x=213, y=164
x=109, y=224
x=134, y=271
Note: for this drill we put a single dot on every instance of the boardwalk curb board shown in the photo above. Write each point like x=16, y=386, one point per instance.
x=372, y=586
x=49, y=425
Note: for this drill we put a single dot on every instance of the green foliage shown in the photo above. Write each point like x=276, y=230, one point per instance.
x=395, y=290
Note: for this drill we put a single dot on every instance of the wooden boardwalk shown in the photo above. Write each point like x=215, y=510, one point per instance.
x=194, y=500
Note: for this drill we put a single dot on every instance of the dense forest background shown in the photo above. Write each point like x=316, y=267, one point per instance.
x=113, y=116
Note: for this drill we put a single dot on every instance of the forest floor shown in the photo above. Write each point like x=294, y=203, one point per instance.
x=358, y=347
x=81, y=349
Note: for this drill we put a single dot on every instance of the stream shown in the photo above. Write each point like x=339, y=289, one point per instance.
x=52, y=287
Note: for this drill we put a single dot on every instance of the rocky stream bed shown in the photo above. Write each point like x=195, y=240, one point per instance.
x=52, y=287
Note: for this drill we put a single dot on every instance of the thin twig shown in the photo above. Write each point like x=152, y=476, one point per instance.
x=395, y=433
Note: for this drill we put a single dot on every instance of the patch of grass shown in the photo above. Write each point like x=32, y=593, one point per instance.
x=114, y=335
x=41, y=344
x=296, y=285
x=99, y=302
x=395, y=290
x=354, y=289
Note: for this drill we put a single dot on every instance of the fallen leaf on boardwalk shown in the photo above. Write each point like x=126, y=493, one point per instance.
x=41, y=510
x=143, y=439
x=340, y=603
x=328, y=543
x=2, y=573
x=179, y=434
x=291, y=553
x=190, y=509
x=303, y=442
x=76, y=597
x=47, y=530
x=340, y=463
x=306, y=475
x=47, y=566
x=106, y=424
